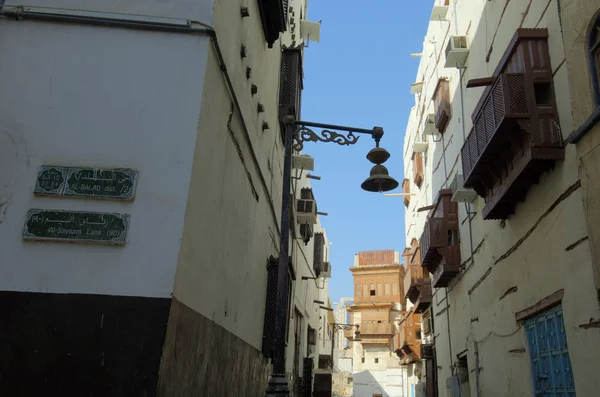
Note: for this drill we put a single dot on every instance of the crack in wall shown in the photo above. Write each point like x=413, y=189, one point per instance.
x=525, y=13
x=576, y=243
x=481, y=279
x=476, y=250
x=509, y=291
x=570, y=190
x=592, y=324
x=491, y=49
x=543, y=14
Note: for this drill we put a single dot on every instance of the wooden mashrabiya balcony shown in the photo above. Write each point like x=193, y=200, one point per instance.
x=516, y=135
x=440, y=249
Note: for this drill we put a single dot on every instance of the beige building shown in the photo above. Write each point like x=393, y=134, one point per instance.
x=581, y=26
x=378, y=305
x=175, y=297
x=501, y=205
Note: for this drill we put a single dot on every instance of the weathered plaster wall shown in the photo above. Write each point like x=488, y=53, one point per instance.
x=121, y=102
x=234, y=205
x=539, y=250
x=576, y=19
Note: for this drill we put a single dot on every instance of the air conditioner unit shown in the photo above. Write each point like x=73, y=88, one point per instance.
x=439, y=13
x=457, y=52
x=420, y=143
x=326, y=270
x=453, y=386
x=461, y=194
x=416, y=88
x=306, y=211
x=429, y=124
x=303, y=161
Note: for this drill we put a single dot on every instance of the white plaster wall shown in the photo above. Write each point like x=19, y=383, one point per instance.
x=384, y=377
x=232, y=217
x=541, y=265
x=187, y=9
x=104, y=97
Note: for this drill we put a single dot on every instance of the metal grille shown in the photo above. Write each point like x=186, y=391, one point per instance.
x=270, y=309
x=319, y=244
x=286, y=95
x=550, y=364
x=517, y=97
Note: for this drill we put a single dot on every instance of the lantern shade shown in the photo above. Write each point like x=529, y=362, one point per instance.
x=379, y=181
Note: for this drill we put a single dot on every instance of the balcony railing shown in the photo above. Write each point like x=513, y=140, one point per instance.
x=515, y=135
x=407, y=342
x=416, y=281
x=423, y=301
x=375, y=329
x=440, y=240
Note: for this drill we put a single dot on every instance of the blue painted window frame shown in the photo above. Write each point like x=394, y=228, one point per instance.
x=594, y=56
x=564, y=367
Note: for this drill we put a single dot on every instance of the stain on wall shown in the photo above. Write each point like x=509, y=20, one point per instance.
x=202, y=358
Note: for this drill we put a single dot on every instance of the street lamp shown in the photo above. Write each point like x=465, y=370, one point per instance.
x=295, y=134
x=343, y=327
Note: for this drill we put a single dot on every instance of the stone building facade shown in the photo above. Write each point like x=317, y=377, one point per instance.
x=501, y=204
x=185, y=96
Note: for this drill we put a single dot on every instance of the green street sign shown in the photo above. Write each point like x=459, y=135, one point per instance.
x=119, y=184
x=76, y=226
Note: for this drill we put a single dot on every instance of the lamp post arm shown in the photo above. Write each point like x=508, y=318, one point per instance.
x=304, y=133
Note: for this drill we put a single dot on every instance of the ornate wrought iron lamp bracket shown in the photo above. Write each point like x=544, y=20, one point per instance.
x=304, y=133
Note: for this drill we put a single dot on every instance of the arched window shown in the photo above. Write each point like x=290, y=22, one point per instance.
x=594, y=48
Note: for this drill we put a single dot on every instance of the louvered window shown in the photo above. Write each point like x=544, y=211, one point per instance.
x=273, y=16
x=319, y=246
x=516, y=135
x=269, y=330
x=290, y=84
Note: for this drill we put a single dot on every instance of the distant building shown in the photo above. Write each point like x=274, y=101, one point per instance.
x=378, y=305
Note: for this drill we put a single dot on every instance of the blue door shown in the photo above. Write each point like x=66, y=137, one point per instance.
x=412, y=390
x=550, y=364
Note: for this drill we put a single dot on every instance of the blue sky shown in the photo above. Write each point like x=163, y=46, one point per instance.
x=359, y=75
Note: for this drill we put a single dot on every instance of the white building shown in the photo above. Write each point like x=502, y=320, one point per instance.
x=499, y=198
x=177, y=103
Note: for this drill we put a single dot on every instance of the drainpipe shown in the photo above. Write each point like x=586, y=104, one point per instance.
x=137, y=22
